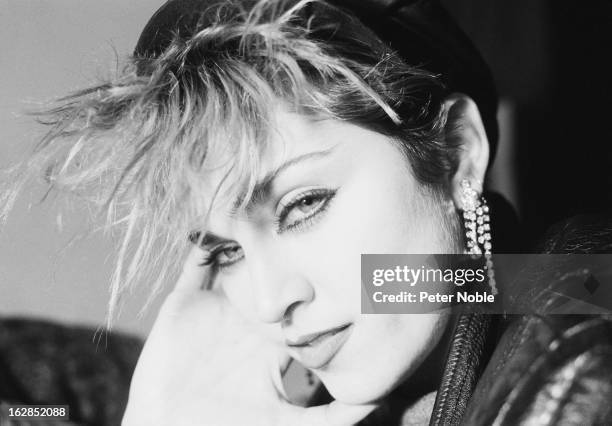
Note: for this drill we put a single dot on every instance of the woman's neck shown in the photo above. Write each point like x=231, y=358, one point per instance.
x=412, y=401
x=426, y=378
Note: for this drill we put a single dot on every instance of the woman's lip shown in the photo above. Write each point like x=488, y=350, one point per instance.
x=308, y=339
x=317, y=349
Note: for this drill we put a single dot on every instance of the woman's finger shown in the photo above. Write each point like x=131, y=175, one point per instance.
x=279, y=363
x=194, y=275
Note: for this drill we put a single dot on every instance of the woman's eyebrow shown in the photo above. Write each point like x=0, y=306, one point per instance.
x=209, y=239
x=262, y=188
x=260, y=191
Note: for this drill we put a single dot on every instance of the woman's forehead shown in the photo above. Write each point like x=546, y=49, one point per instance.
x=290, y=135
x=296, y=134
x=299, y=147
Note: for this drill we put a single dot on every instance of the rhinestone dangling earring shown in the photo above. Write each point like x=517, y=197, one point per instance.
x=477, y=226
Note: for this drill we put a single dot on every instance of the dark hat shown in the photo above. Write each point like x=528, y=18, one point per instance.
x=421, y=31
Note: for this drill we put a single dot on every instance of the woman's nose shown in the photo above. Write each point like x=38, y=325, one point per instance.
x=280, y=288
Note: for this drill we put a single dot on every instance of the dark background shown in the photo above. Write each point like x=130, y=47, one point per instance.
x=550, y=59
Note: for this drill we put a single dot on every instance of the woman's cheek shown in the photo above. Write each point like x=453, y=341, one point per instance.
x=330, y=253
x=234, y=283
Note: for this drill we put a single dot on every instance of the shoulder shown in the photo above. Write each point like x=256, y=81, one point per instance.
x=548, y=369
x=552, y=369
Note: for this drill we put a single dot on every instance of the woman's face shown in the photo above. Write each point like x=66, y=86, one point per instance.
x=332, y=191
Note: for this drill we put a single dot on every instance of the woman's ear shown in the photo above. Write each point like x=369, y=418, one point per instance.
x=465, y=130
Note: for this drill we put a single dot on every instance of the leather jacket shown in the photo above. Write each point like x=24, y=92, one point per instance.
x=544, y=369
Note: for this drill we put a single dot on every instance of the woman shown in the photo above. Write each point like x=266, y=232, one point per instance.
x=284, y=235
x=284, y=139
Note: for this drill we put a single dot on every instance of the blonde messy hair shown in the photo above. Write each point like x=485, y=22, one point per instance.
x=139, y=146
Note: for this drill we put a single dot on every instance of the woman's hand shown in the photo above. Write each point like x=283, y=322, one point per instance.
x=203, y=364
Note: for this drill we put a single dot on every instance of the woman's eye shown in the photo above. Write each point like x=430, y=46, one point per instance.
x=308, y=204
x=221, y=255
x=226, y=256
x=303, y=209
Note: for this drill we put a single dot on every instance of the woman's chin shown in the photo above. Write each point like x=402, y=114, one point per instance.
x=356, y=389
